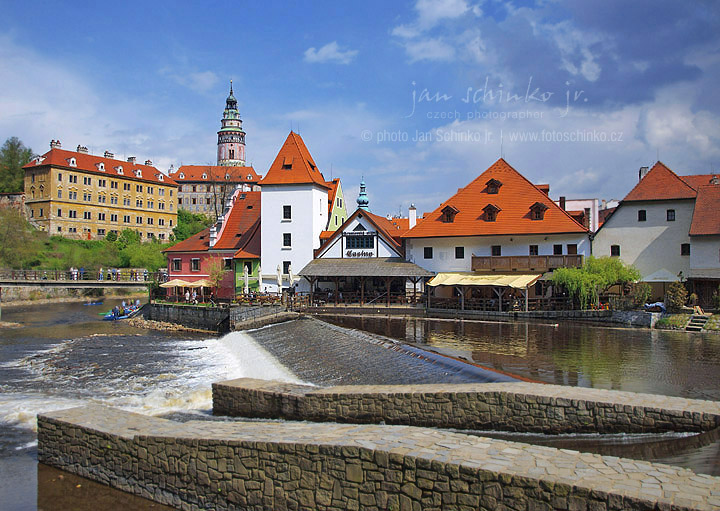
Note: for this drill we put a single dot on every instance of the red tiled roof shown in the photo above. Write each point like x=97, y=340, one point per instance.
x=250, y=243
x=388, y=228
x=198, y=243
x=333, y=185
x=90, y=163
x=215, y=173
x=698, y=180
x=244, y=214
x=324, y=235
x=390, y=232
x=514, y=199
x=706, y=216
x=661, y=183
x=294, y=165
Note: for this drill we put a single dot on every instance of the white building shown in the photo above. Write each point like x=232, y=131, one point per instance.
x=668, y=228
x=294, y=213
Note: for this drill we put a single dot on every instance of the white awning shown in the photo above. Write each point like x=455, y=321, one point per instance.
x=473, y=279
x=661, y=275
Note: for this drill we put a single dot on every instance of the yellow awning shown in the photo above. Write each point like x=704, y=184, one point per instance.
x=174, y=283
x=473, y=279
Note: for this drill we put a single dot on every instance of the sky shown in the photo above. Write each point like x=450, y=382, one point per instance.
x=417, y=98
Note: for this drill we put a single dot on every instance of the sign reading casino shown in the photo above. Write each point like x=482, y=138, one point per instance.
x=359, y=253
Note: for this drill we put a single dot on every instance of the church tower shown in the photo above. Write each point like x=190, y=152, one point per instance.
x=231, y=137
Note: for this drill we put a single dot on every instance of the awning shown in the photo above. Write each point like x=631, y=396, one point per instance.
x=175, y=283
x=473, y=279
x=200, y=283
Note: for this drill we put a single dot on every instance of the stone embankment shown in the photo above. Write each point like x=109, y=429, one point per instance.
x=518, y=407
x=279, y=465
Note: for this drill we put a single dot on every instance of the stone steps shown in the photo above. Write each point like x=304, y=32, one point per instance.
x=696, y=323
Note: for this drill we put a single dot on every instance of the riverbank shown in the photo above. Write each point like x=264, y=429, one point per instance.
x=74, y=299
x=163, y=326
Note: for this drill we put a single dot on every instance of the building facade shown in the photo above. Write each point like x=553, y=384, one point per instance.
x=206, y=188
x=76, y=194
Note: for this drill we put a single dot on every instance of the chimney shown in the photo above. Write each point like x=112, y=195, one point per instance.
x=108, y=154
x=132, y=159
x=545, y=188
x=412, y=216
x=562, y=202
x=148, y=162
x=55, y=144
x=171, y=170
x=82, y=149
x=643, y=172
x=604, y=204
x=714, y=180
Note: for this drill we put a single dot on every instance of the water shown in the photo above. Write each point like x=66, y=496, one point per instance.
x=65, y=356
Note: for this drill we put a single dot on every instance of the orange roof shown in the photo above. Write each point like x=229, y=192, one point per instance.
x=294, y=165
x=698, y=180
x=324, y=235
x=661, y=183
x=215, y=173
x=244, y=214
x=706, y=220
x=198, y=243
x=91, y=163
x=250, y=243
x=333, y=185
x=514, y=198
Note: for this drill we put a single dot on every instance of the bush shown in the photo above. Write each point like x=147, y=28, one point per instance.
x=676, y=297
x=640, y=293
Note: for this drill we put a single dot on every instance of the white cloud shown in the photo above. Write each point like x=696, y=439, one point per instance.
x=429, y=49
x=199, y=81
x=331, y=52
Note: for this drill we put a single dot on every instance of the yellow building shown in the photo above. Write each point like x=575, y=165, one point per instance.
x=79, y=195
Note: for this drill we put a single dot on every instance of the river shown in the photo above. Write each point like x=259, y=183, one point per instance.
x=65, y=356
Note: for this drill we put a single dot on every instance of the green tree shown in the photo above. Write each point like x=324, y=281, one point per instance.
x=19, y=242
x=216, y=271
x=13, y=155
x=189, y=224
x=596, y=275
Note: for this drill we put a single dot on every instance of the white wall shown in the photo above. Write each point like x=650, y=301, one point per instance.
x=309, y=218
x=705, y=257
x=580, y=205
x=380, y=249
x=444, y=248
x=651, y=245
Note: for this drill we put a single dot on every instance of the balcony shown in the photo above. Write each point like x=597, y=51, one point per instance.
x=525, y=263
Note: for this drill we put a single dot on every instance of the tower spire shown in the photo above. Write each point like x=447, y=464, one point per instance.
x=231, y=137
x=231, y=91
x=362, y=199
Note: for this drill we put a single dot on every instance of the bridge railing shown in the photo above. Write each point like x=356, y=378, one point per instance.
x=109, y=275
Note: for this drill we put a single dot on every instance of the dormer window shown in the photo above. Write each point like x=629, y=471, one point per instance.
x=227, y=177
x=448, y=214
x=537, y=211
x=138, y=173
x=493, y=186
x=490, y=212
x=72, y=162
x=249, y=177
x=182, y=175
x=287, y=162
x=160, y=177
x=204, y=176
x=100, y=166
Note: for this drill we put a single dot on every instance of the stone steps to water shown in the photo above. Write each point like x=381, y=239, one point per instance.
x=697, y=323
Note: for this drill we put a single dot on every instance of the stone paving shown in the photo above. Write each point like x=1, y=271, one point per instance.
x=280, y=465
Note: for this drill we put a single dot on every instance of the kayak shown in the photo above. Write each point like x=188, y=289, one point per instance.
x=93, y=303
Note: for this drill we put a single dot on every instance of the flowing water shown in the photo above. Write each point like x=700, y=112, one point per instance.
x=65, y=356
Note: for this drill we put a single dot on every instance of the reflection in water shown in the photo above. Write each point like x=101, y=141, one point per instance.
x=576, y=354
x=638, y=360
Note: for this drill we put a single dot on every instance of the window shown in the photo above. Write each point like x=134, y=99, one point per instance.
x=194, y=188
x=126, y=187
x=59, y=213
x=161, y=191
x=87, y=181
x=59, y=194
x=685, y=249
x=126, y=219
x=113, y=217
x=59, y=229
x=102, y=183
x=427, y=253
x=642, y=215
x=101, y=217
x=59, y=177
x=490, y=212
x=138, y=188
x=138, y=220
x=113, y=200
x=614, y=250
x=41, y=213
x=356, y=241
x=232, y=154
x=286, y=266
x=113, y=184
x=149, y=220
x=557, y=249
x=534, y=250
x=150, y=190
x=493, y=186
x=287, y=212
x=101, y=232
x=72, y=213
x=496, y=250
x=194, y=264
x=228, y=263
x=73, y=195
x=287, y=239
x=138, y=203
x=339, y=202
x=459, y=252
x=72, y=179
x=448, y=214
x=670, y=215
x=176, y=264
x=572, y=249
x=537, y=211
x=87, y=215
x=161, y=221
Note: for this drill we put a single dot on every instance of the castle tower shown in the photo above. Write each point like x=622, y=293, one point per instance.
x=231, y=137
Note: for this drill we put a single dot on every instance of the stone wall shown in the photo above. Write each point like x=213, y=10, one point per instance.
x=636, y=318
x=517, y=407
x=280, y=466
x=203, y=318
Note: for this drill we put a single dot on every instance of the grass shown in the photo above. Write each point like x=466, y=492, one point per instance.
x=673, y=322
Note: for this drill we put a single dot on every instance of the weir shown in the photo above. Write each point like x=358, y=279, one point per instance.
x=291, y=465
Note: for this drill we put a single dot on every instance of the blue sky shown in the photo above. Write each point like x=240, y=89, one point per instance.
x=418, y=97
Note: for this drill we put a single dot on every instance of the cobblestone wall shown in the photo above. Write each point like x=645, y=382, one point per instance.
x=519, y=407
x=280, y=466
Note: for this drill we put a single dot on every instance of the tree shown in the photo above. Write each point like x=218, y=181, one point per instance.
x=216, y=271
x=13, y=155
x=596, y=276
x=18, y=240
x=189, y=224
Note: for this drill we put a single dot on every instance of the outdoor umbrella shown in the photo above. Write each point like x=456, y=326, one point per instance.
x=259, y=279
x=245, y=280
x=279, y=279
x=290, y=275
